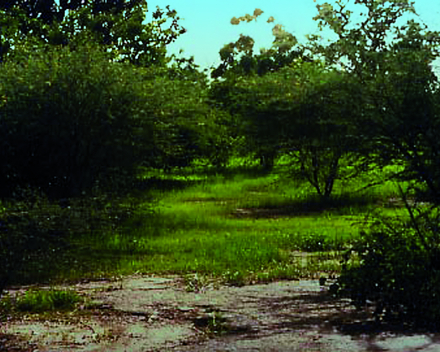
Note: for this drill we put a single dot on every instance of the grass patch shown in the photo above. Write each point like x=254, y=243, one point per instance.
x=236, y=227
x=42, y=301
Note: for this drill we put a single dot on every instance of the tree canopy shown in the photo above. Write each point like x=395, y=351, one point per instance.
x=119, y=25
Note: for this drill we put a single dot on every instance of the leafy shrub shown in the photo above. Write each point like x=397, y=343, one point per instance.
x=397, y=266
x=313, y=242
x=186, y=127
x=69, y=120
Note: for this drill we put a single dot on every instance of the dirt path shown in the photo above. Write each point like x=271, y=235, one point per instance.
x=159, y=314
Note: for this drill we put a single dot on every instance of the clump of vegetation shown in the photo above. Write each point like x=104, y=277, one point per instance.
x=396, y=266
x=93, y=108
x=41, y=301
x=32, y=233
x=213, y=323
x=38, y=301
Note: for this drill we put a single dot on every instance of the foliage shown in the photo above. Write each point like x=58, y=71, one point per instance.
x=398, y=265
x=305, y=110
x=118, y=26
x=39, y=237
x=186, y=127
x=240, y=62
x=365, y=48
x=397, y=269
x=405, y=130
x=238, y=58
x=70, y=120
x=289, y=103
x=393, y=65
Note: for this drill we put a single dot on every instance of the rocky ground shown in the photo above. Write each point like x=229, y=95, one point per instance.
x=171, y=314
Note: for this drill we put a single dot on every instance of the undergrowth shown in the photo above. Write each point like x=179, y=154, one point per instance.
x=239, y=227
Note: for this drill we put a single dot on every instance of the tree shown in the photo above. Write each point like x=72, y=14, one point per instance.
x=118, y=25
x=307, y=111
x=185, y=126
x=397, y=78
x=320, y=128
x=240, y=62
x=238, y=58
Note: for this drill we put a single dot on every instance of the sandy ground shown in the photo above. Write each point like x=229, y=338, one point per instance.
x=159, y=314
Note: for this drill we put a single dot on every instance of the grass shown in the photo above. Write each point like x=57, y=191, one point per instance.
x=40, y=301
x=238, y=227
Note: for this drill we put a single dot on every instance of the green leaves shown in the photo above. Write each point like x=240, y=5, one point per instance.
x=120, y=28
x=69, y=121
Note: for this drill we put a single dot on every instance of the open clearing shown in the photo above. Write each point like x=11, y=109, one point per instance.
x=229, y=265
x=141, y=313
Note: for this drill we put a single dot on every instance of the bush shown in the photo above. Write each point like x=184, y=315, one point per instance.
x=397, y=266
x=186, y=127
x=70, y=120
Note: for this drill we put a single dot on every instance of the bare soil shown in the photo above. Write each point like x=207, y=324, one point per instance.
x=141, y=313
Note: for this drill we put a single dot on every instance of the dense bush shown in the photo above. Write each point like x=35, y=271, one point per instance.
x=397, y=267
x=69, y=120
x=186, y=127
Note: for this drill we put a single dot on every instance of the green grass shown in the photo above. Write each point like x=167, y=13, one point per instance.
x=239, y=228
x=44, y=301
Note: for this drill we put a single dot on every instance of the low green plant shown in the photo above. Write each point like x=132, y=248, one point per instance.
x=217, y=323
x=396, y=265
x=235, y=277
x=195, y=283
x=32, y=234
x=40, y=301
x=38, y=237
x=213, y=323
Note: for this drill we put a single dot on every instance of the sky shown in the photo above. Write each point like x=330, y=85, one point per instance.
x=209, y=28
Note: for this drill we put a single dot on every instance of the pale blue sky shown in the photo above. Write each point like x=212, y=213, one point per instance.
x=209, y=27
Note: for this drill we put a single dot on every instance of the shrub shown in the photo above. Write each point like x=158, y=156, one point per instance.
x=69, y=120
x=186, y=127
x=396, y=266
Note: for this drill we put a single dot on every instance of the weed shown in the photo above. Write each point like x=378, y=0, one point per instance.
x=236, y=278
x=195, y=283
x=6, y=306
x=40, y=301
x=213, y=323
